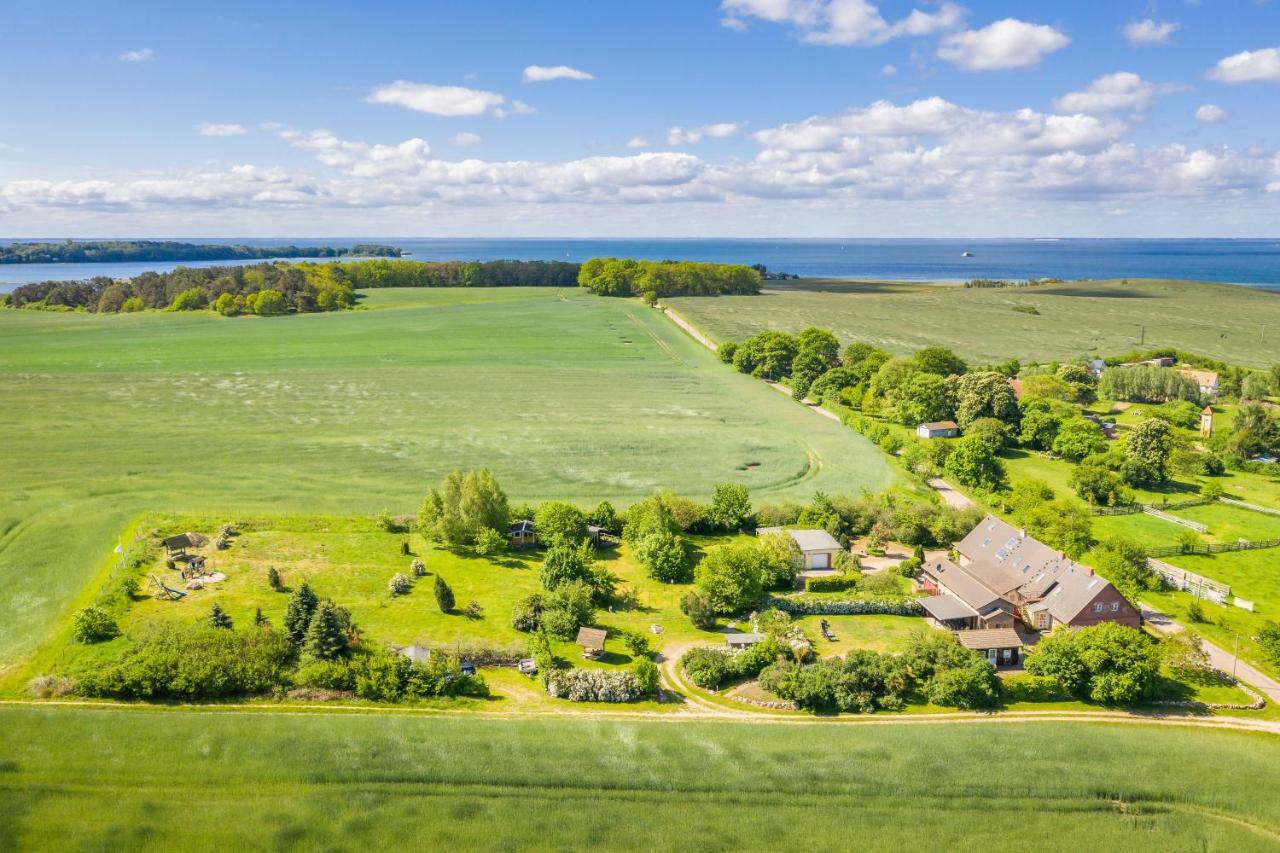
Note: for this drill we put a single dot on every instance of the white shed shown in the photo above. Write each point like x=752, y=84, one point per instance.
x=818, y=548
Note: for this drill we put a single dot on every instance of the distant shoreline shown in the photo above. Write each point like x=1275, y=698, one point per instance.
x=165, y=251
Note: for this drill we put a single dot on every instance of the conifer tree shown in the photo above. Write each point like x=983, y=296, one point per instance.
x=302, y=606
x=218, y=617
x=444, y=595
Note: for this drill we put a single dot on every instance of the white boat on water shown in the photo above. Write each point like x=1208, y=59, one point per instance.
x=966, y=254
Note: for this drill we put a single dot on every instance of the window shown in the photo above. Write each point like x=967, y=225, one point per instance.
x=1097, y=608
x=1115, y=607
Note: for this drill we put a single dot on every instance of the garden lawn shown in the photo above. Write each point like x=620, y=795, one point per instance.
x=1098, y=318
x=389, y=781
x=877, y=633
x=562, y=394
x=350, y=560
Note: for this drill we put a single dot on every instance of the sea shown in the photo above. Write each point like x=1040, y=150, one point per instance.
x=1252, y=262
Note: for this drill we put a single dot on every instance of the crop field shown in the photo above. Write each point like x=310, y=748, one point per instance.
x=1240, y=325
x=228, y=780
x=563, y=395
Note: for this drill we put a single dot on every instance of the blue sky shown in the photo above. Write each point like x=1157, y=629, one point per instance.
x=689, y=118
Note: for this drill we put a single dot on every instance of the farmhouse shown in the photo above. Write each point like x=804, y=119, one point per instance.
x=818, y=548
x=938, y=429
x=1206, y=380
x=1004, y=576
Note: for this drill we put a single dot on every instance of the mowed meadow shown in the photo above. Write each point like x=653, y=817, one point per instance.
x=77, y=778
x=564, y=395
x=1239, y=325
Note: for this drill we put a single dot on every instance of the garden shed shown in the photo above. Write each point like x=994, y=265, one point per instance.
x=522, y=533
x=592, y=642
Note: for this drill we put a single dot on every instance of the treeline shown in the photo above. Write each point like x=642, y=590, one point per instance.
x=280, y=287
x=109, y=251
x=654, y=279
x=980, y=283
x=1144, y=383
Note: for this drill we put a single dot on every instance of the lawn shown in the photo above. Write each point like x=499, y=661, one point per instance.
x=877, y=633
x=227, y=780
x=350, y=561
x=1226, y=322
x=562, y=394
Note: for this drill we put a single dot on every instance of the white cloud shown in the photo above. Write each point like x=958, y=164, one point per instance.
x=542, y=73
x=208, y=129
x=637, y=142
x=681, y=136
x=1150, y=31
x=437, y=100
x=1008, y=43
x=145, y=54
x=888, y=71
x=948, y=157
x=517, y=108
x=466, y=139
x=1123, y=90
x=1248, y=66
x=841, y=22
x=1211, y=114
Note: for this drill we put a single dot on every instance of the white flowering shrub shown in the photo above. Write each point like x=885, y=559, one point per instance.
x=594, y=685
x=398, y=585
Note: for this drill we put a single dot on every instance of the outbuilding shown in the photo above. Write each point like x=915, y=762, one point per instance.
x=818, y=548
x=592, y=642
x=1000, y=646
x=522, y=533
x=938, y=429
x=739, y=642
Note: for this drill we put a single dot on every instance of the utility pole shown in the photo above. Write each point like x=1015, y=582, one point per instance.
x=1235, y=659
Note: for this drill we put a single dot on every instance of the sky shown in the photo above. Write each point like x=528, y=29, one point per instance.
x=687, y=118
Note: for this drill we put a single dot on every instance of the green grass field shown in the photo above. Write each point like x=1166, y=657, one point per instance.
x=1235, y=324
x=564, y=395
x=226, y=780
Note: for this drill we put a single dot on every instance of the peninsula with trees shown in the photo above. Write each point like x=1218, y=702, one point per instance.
x=117, y=251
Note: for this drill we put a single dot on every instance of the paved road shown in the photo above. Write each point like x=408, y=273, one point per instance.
x=1220, y=658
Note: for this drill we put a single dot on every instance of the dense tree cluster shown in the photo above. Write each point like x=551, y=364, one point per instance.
x=1144, y=383
x=116, y=251
x=286, y=287
x=654, y=279
x=1106, y=663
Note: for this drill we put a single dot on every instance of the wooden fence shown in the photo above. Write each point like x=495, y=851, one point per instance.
x=1197, y=585
x=1197, y=526
x=1254, y=507
x=1212, y=547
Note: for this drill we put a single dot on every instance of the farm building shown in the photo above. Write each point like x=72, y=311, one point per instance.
x=1206, y=380
x=938, y=429
x=818, y=548
x=1004, y=575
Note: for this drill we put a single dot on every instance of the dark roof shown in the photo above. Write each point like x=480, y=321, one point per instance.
x=592, y=638
x=946, y=607
x=186, y=540
x=524, y=525
x=1076, y=587
x=991, y=638
x=960, y=584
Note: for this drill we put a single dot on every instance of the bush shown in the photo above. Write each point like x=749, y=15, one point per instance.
x=1106, y=663
x=732, y=576
x=191, y=662
x=488, y=541
x=560, y=524
x=1269, y=642
x=594, y=685
x=646, y=675
x=973, y=685
x=444, y=595
x=836, y=583
x=94, y=625
x=418, y=568
x=880, y=583
x=1033, y=688
x=527, y=613
x=710, y=667
x=883, y=605
x=219, y=618
x=273, y=579
x=50, y=686
x=474, y=610
x=398, y=585
x=697, y=605
x=663, y=555
x=384, y=677
x=910, y=567
x=326, y=675
x=636, y=643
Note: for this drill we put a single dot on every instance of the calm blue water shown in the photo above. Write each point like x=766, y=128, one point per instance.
x=1250, y=262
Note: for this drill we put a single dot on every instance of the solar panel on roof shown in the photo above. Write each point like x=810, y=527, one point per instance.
x=1002, y=553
